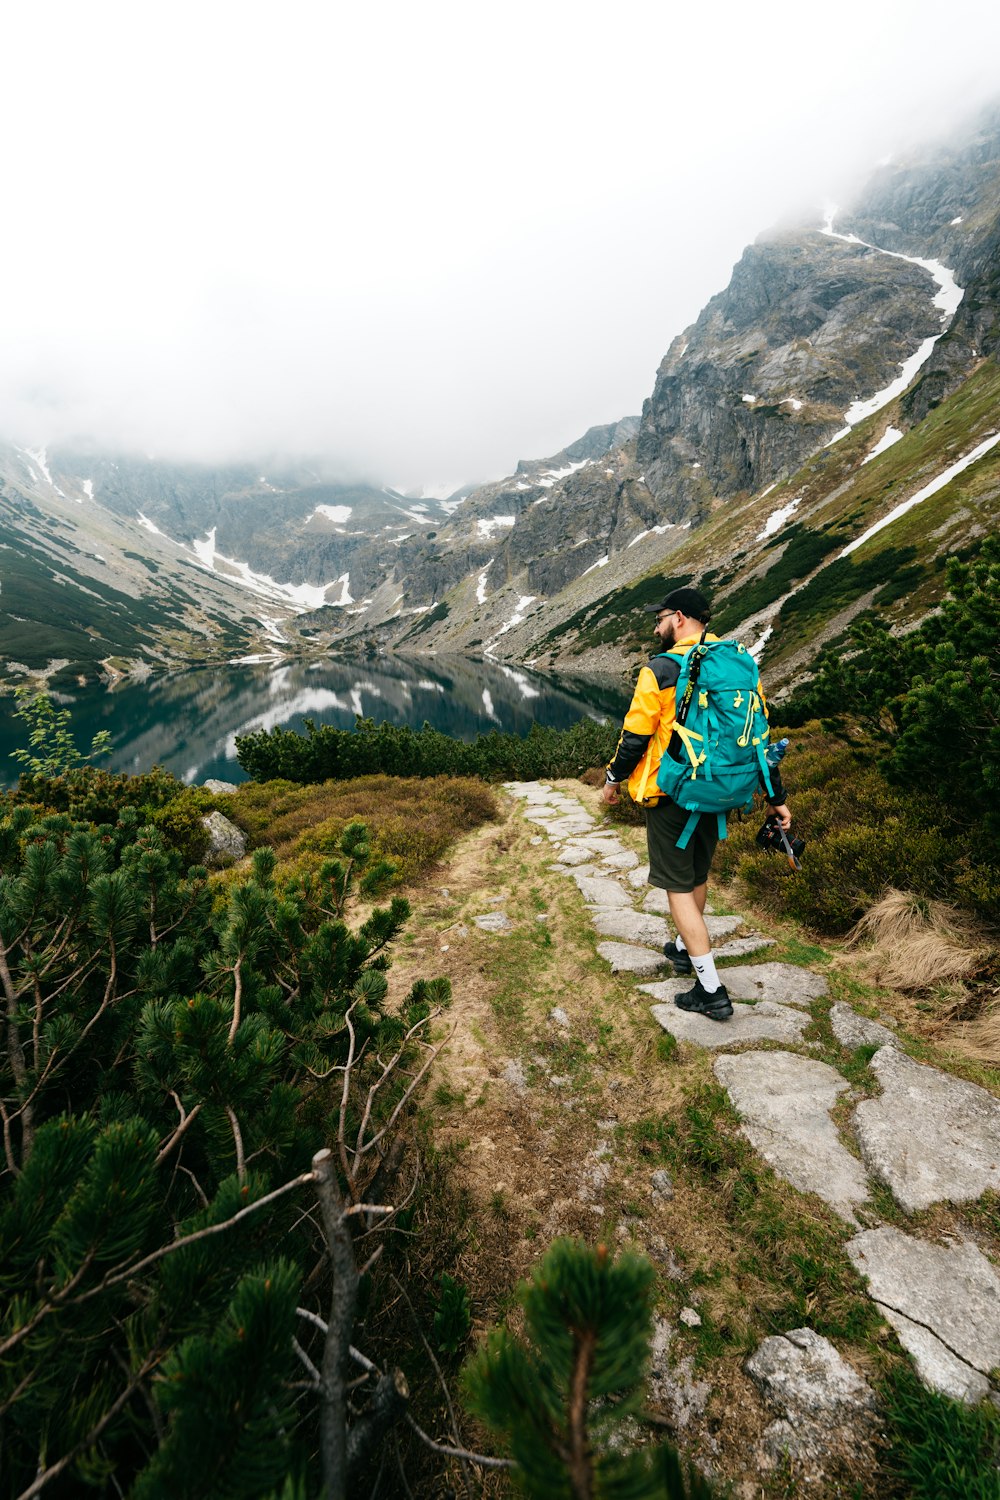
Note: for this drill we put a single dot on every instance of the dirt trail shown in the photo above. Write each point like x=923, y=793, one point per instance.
x=565, y=1108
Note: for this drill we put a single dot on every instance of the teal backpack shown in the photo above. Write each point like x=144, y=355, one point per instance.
x=716, y=756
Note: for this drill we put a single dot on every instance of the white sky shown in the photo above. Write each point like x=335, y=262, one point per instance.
x=422, y=239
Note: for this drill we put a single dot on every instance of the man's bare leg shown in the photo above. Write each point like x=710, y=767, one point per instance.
x=688, y=911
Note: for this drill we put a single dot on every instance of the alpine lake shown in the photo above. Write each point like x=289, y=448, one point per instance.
x=188, y=721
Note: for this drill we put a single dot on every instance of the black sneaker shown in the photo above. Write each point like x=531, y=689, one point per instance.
x=679, y=957
x=714, y=1004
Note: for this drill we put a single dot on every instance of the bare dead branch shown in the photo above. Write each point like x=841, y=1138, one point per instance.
x=407, y=1095
x=343, y=1304
x=344, y=1096
x=304, y=1358
x=473, y=1458
x=314, y=1318
x=237, y=999
x=186, y=1122
x=241, y=1166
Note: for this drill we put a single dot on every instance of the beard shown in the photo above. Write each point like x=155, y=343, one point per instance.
x=667, y=637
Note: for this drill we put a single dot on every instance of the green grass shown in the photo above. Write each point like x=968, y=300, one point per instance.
x=940, y=1448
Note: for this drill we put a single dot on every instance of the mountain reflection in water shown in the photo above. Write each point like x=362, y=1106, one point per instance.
x=188, y=721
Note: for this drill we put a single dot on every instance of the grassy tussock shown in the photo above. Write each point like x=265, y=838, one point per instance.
x=913, y=943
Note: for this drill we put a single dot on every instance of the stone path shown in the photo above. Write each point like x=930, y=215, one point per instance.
x=928, y=1137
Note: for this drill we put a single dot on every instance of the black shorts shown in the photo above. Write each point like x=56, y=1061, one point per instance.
x=674, y=869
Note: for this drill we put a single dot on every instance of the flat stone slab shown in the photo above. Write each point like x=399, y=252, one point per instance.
x=626, y=958
x=572, y=854
x=601, y=891
x=633, y=927
x=930, y=1137
x=655, y=900
x=564, y=825
x=530, y=791
x=785, y=983
x=638, y=877
x=493, y=921
x=576, y=872
x=852, y=1030
x=765, y=1022
x=784, y=1102
x=596, y=843
x=626, y=860
x=740, y=947
x=942, y=1300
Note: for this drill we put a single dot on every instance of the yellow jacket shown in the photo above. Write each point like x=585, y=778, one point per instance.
x=649, y=723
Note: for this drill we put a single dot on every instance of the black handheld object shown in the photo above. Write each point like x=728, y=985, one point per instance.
x=773, y=839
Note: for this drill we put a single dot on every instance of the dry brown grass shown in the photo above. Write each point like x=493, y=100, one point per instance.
x=914, y=944
x=413, y=821
x=979, y=1040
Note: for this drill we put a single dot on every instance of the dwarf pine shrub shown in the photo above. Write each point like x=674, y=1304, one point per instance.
x=325, y=753
x=173, y=1058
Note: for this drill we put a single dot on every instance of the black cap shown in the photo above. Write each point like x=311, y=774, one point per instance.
x=690, y=602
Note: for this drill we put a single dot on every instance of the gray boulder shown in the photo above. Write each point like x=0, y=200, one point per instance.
x=226, y=842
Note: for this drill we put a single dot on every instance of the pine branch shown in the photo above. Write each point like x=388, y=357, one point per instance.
x=126, y=1273
x=91, y=1437
x=581, y=1475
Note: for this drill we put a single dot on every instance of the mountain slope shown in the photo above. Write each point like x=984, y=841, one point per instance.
x=848, y=365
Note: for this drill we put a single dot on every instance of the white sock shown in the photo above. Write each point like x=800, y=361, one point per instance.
x=704, y=967
x=679, y=944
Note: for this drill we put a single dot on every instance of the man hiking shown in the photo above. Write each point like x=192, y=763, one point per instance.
x=681, y=842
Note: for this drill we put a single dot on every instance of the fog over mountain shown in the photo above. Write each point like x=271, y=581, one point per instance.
x=416, y=243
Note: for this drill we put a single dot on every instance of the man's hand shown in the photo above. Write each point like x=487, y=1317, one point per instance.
x=609, y=792
x=784, y=817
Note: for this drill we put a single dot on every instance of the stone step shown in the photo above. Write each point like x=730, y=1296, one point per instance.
x=788, y=984
x=625, y=860
x=631, y=927
x=765, y=1022
x=784, y=1103
x=852, y=1030
x=601, y=890
x=627, y=958
x=740, y=947
x=942, y=1300
x=929, y=1137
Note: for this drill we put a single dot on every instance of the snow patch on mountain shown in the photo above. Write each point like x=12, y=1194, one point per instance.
x=890, y=436
x=946, y=299
x=550, y=476
x=516, y=618
x=777, y=519
x=924, y=494
x=489, y=524
x=338, y=514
